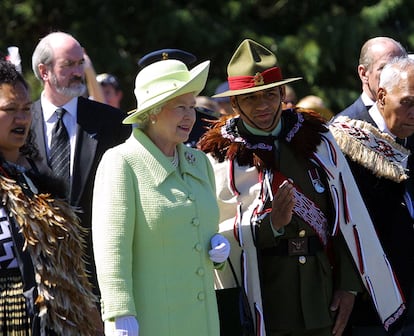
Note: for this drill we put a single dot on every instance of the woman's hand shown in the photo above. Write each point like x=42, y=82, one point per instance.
x=220, y=249
x=126, y=326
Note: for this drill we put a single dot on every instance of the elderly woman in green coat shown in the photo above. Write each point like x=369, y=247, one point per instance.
x=155, y=215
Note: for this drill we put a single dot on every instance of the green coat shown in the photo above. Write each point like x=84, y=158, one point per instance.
x=151, y=234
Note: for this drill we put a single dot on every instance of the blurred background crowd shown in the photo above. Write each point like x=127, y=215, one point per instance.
x=318, y=40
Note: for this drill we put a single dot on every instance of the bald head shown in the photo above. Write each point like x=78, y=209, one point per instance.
x=380, y=47
x=58, y=62
x=45, y=49
x=375, y=53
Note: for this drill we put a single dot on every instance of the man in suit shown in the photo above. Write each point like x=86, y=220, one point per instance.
x=92, y=127
x=379, y=164
x=375, y=53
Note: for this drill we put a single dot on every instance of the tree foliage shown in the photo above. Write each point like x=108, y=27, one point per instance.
x=318, y=40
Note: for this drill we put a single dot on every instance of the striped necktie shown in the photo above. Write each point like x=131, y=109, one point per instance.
x=60, y=149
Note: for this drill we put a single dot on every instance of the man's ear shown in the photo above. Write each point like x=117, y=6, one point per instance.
x=362, y=72
x=43, y=71
x=233, y=102
x=381, y=93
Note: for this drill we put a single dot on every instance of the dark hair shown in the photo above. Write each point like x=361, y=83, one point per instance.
x=9, y=74
x=29, y=149
x=106, y=79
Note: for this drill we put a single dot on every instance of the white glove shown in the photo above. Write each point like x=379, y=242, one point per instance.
x=220, y=249
x=126, y=326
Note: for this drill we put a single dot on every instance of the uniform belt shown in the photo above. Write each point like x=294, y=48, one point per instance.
x=304, y=246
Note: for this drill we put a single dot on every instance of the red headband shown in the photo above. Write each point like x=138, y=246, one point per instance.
x=268, y=76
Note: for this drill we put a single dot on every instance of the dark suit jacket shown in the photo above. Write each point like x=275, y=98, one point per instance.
x=385, y=203
x=99, y=127
x=357, y=110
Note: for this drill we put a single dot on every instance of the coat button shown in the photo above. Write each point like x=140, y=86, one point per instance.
x=195, y=221
x=302, y=260
x=200, y=271
x=302, y=233
x=201, y=296
x=198, y=247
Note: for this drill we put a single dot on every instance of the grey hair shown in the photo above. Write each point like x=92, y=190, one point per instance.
x=143, y=120
x=43, y=54
x=366, y=58
x=391, y=74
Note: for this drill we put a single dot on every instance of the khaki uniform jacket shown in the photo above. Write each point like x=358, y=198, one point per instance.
x=284, y=291
x=296, y=295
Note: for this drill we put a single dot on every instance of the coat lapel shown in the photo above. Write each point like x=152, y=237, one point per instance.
x=151, y=156
x=38, y=129
x=84, y=157
x=362, y=112
x=157, y=164
x=85, y=150
x=190, y=164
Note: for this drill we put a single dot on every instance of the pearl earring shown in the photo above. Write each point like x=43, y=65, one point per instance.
x=153, y=121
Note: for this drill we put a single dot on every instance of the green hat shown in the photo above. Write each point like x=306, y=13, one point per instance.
x=162, y=81
x=253, y=68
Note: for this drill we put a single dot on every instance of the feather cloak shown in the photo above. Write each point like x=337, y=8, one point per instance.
x=54, y=239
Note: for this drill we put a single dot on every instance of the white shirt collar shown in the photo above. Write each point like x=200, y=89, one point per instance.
x=366, y=100
x=49, y=109
x=69, y=119
x=379, y=120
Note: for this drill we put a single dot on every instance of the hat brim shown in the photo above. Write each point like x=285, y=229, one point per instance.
x=231, y=93
x=197, y=82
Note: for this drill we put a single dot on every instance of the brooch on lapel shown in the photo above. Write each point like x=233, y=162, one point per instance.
x=189, y=157
x=316, y=180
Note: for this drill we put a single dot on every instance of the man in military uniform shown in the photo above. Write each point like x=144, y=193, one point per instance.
x=284, y=189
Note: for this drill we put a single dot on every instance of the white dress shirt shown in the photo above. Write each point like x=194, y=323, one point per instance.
x=379, y=120
x=69, y=119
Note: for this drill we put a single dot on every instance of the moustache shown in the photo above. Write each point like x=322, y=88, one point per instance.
x=77, y=79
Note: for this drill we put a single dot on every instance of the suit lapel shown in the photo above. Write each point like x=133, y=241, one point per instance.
x=85, y=150
x=38, y=128
x=362, y=112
